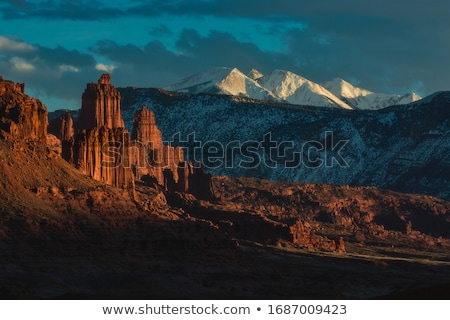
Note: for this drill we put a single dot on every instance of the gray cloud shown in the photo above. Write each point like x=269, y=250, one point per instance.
x=155, y=65
x=53, y=72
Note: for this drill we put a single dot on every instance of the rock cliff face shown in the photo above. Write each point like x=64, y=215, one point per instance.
x=102, y=153
x=100, y=105
x=195, y=181
x=21, y=117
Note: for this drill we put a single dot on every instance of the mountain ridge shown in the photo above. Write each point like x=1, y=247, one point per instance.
x=360, y=98
x=288, y=87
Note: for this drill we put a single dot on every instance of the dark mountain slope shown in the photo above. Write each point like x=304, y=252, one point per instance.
x=404, y=148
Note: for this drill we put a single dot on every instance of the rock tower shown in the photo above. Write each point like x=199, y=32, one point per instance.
x=100, y=106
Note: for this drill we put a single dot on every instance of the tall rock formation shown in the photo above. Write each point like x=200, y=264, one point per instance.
x=100, y=106
x=21, y=117
x=101, y=146
x=149, y=156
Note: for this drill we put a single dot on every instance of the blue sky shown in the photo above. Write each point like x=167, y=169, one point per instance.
x=56, y=47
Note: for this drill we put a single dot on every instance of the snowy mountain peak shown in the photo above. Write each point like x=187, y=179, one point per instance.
x=289, y=87
x=229, y=81
x=200, y=82
x=296, y=89
x=341, y=88
x=255, y=74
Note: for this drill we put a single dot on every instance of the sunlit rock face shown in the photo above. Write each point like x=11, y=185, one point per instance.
x=100, y=148
x=100, y=105
x=21, y=117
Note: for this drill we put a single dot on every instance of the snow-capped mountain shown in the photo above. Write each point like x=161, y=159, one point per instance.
x=292, y=88
x=360, y=98
x=229, y=81
x=288, y=87
x=279, y=85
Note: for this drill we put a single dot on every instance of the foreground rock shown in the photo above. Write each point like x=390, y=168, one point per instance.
x=21, y=117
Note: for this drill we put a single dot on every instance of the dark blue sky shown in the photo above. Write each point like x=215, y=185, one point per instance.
x=56, y=47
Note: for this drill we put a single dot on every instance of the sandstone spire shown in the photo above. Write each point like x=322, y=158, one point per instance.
x=145, y=129
x=149, y=156
x=100, y=105
x=101, y=146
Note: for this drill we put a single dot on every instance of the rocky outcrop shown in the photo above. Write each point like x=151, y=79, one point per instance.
x=195, y=181
x=304, y=237
x=100, y=106
x=21, y=117
x=62, y=127
x=53, y=143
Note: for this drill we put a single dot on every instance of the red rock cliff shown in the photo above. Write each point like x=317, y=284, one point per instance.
x=21, y=117
x=102, y=153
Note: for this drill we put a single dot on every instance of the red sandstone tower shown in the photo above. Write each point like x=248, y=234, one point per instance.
x=100, y=105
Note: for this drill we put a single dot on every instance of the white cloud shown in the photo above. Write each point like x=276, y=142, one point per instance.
x=104, y=67
x=66, y=67
x=21, y=64
x=8, y=45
